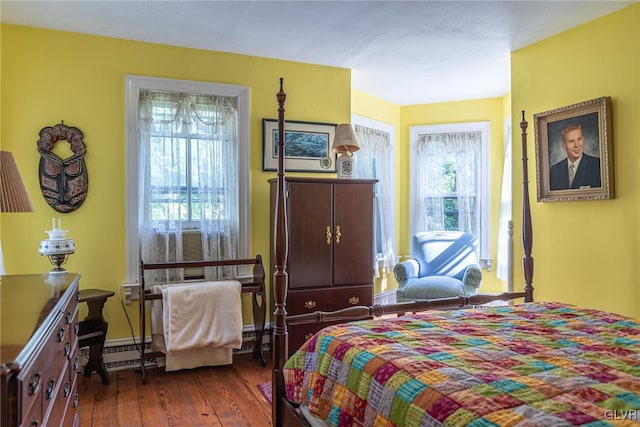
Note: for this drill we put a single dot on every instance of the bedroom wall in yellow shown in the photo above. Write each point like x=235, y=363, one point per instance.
x=490, y=110
x=49, y=76
x=586, y=252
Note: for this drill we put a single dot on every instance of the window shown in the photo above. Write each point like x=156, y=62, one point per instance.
x=449, y=179
x=187, y=171
x=504, y=253
x=375, y=159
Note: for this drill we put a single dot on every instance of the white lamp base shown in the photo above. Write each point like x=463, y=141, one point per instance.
x=344, y=165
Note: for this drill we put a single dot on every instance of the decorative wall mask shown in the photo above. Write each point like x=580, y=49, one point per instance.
x=64, y=183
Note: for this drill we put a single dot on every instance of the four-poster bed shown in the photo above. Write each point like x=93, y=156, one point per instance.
x=464, y=350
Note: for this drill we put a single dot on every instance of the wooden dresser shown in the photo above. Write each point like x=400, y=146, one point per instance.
x=330, y=258
x=39, y=350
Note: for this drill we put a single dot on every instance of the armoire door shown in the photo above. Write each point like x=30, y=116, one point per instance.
x=310, y=214
x=353, y=234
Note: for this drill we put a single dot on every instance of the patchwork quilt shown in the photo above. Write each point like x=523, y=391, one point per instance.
x=537, y=364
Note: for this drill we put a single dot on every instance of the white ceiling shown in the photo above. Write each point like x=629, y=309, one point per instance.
x=405, y=52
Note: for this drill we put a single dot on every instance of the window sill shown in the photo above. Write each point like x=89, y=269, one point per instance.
x=486, y=263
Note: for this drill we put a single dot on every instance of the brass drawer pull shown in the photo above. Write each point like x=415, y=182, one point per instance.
x=354, y=300
x=50, y=387
x=328, y=235
x=307, y=336
x=310, y=304
x=338, y=234
x=34, y=383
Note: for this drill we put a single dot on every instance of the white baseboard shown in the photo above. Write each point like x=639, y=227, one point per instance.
x=123, y=353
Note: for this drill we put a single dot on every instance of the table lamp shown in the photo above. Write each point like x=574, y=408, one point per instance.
x=345, y=143
x=57, y=247
x=13, y=194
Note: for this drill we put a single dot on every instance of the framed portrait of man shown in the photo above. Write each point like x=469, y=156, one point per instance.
x=574, y=152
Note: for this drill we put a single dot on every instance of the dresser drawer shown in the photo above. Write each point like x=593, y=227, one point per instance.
x=299, y=334
x=59, y=379
x=34, y=379
x=308, y=301
x=33, y=416
x=74, y=360
x=71, y=414
x=31, y=385
x=60, y=396
x=50, y=370
x=330, y=299
x=71, y=311
x=65, y=341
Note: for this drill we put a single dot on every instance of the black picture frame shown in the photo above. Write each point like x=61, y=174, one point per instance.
x=307, y=146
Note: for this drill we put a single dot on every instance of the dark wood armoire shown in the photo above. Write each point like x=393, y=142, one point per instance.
x=330, y=258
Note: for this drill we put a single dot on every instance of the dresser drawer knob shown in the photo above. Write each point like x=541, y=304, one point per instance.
x=34, y=423
x=76, y=363
x=67, y=318
x=308, y=336
x=310, y=304
x=76, y=328
x=60, y=335
x=67, y=389
x=34, y=383
x=354, y=300
x=50, y=386
x=75, y=401
x=67, y=349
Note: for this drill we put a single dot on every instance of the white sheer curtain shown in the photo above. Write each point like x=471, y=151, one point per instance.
x=438, y=154
x=503, y=263
x=188, y=152
x=375, y=160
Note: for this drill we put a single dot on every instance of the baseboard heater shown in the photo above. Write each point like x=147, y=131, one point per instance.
x=122, y=354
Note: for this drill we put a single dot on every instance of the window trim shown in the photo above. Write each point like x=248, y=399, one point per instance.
x=485, y=205
x=133, y=85
x=391, y=130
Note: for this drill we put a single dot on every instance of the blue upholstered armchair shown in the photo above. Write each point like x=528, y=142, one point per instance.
x=444, y=264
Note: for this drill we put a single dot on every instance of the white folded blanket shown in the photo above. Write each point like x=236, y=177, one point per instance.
x=202, y=314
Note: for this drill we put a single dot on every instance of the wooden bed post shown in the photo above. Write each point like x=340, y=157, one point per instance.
x=527, y=230
x=280, y=345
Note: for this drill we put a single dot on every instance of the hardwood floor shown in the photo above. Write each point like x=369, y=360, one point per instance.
x=216, y=396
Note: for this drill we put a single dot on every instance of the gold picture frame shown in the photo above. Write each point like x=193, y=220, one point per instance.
x=579, y=131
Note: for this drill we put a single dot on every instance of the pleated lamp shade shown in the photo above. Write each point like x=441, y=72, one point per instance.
x=345, y=139
x=13, y=194
x=345, y=143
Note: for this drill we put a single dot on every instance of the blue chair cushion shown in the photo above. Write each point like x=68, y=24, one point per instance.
x=432, y=287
